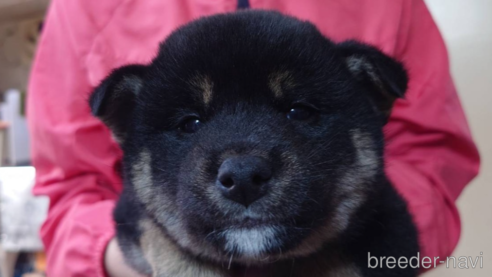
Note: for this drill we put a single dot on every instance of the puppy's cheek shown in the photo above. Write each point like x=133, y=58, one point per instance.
x=353, y=187
x=157, y=203
x=142, y=178
x=167, y=259
x=292, y=188
x=348, y=195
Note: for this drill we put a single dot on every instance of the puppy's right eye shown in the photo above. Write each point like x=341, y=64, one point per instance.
x=190, y=125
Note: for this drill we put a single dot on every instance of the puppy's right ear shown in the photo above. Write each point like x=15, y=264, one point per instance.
x=113, y=101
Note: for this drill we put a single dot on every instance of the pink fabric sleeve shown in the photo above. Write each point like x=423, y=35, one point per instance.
x=431, y=156
x=73, y=152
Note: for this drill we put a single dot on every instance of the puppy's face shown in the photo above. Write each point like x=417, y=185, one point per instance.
x=251, y=136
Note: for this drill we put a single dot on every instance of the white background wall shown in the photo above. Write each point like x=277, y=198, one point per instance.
x=467, y=28
x=18, y=152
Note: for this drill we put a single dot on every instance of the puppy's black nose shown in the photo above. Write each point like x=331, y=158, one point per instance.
x=243, y=178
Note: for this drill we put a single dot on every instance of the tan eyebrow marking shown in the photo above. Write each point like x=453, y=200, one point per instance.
x=204, y=85
x=278, y=81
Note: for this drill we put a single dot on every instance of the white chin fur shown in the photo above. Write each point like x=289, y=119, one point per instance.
x=251, y=243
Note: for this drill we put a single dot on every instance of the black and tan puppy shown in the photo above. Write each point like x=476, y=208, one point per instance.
x=253, y=146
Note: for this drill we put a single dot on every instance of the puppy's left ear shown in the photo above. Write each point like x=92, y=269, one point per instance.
x=385, y=77
x=113, y=101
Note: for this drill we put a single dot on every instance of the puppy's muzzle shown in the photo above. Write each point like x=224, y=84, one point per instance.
x=244, y=179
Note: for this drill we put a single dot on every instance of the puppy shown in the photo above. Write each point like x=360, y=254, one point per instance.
x=253, y=146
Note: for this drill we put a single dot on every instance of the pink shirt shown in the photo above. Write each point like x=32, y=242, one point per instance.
x=430, y=153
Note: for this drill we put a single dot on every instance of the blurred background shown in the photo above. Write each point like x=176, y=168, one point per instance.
x=467, y=30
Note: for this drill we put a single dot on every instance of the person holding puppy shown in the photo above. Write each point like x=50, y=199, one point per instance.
x=430, y=153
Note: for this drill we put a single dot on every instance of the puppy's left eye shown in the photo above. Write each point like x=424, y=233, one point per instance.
x=301, y=113
x=190, y=125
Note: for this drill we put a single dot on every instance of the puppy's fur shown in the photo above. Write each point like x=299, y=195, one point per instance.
x=328, y=202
